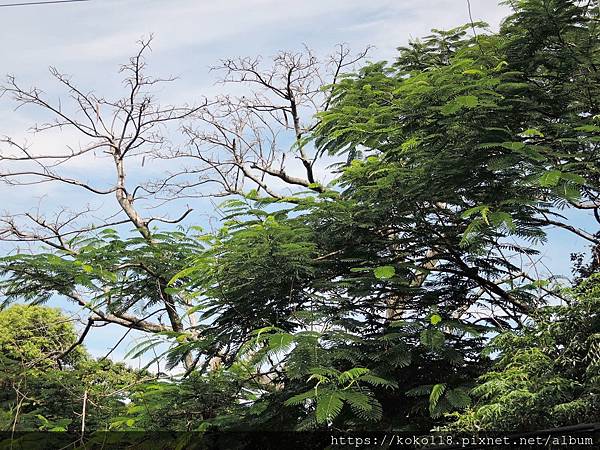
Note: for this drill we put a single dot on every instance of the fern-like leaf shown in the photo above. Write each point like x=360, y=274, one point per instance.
x=329, y=406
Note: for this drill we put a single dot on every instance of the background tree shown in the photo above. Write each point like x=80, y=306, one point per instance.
x=37, y=337
x=547, y=374
x=40, y=393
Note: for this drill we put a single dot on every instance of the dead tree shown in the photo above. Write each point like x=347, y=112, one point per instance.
x=256, y=140
x=126, y=131
x=259, y=139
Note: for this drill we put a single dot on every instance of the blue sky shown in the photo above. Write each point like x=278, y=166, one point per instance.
x=90, y=40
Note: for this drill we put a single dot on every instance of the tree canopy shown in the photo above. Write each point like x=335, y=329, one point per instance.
x=397, y=283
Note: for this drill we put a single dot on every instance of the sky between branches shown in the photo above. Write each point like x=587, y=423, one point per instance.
x=90, y=40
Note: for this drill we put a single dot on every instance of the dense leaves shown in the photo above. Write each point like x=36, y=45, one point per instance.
x=547, y=375
x=36, y=337
x=404, y=295
x=36, y=394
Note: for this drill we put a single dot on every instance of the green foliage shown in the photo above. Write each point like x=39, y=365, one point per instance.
x=196, y=403
x=253, y=275
x=351, y=309
x=334, y=389
x=384, y=272
x=115, y=274
x=547, y=374
x=36, y=336
x=36, y=394
x=459, y=148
